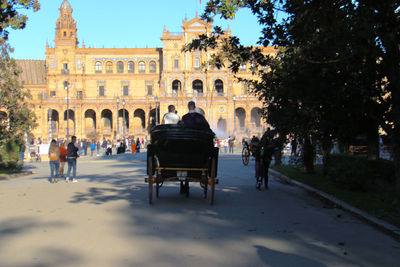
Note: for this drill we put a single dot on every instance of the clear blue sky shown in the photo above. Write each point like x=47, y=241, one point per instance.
x=119, y=23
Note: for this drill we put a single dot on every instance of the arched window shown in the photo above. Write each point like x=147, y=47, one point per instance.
x=197, y=87
x=256, y=115
x=109, y=67
x=219, y=87
x=131, y=67
x=120, y=67
x=98, y=67
x=197, y=63
x=176, y=86
x=153, y=67
x=142, y=67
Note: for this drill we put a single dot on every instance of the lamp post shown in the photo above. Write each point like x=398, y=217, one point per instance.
x=117, y=117
x=66, y=86
x=234, y=114
x=157, y=107
x=123, y=115
x=49, y=114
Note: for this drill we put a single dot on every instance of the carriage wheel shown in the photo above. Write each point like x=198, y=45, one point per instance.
x=245, y=156
x=150, y=180
x=211, y=180
x=150, y=189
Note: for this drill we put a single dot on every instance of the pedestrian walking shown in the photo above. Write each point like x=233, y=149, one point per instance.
x=225, y=143
x=255, y=149
x=85, y=145
x=231, y=141
x=133, y=146
x=109, y=148
x=98, y=148
x=137, y=145
x=63, y=159
x=266, y=152
x=293, y=144
x=104, y=146
x=54, y=160
x=92, y=148
x=72, y=155
x=22, y=150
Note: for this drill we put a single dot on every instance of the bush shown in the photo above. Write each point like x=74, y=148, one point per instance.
x=10, y=156
x=360, y=174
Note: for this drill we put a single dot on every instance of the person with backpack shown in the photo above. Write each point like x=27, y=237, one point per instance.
x=72, y=155
x=255, y=148
x=267, y=149
x=54, y=160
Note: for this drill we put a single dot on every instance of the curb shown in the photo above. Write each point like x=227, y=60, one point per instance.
x=15, y=175
x=382, y=225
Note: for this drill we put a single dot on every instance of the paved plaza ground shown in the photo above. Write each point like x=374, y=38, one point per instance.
x=105, y=220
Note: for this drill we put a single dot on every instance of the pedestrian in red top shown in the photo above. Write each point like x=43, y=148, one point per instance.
x=63, y=158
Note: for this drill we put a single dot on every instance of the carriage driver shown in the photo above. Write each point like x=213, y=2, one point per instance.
x=171, y=117
x=194, y=119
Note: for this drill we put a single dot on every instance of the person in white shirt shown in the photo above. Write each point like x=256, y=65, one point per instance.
x=171, y=117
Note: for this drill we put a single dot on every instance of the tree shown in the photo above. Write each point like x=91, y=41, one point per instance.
x=10, y=17
x=20, y=118
x=337, y=74
x=12, y=100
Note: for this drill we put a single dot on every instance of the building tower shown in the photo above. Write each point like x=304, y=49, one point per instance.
x=66, y=27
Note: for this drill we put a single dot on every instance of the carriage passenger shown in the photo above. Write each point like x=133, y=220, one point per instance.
x=171, y=117
x=194, y=119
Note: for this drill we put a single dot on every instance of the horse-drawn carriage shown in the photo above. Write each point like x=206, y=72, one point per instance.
x=179, y=153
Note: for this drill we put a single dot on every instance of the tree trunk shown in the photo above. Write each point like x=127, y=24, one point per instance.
x=395, y=83
x=326, y=154
x=393, y=59
x=388, y=18
x=308, y=156
x=373, y=143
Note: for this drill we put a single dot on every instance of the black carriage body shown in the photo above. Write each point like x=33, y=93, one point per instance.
x=177, y=146
x=179, y=153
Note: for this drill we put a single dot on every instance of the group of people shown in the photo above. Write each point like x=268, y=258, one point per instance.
x=58, y=156
x=191, y=119
x=61, y=153
x=263, y=150
x=227, y=143
x=123, y=145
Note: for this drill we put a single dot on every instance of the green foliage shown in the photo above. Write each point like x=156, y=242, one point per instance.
x=20, y=117
x=360, y=174
x=9, y=155
x=378, y=202
x=338, y=74
x=11, y=17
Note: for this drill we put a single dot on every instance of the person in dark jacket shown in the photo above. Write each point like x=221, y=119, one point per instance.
x=193, y=119
x=72, y=155
x=265, y=152
x=137, y=145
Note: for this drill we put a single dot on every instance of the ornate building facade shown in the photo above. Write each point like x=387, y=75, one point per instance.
x=80, y=90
